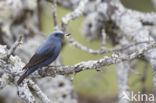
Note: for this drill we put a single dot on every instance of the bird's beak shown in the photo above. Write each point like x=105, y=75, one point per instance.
x=67, y=34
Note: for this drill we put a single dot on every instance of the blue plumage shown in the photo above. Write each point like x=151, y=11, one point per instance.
x=45, y=54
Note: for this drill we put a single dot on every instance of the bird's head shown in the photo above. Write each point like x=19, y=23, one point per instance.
x=57, y=35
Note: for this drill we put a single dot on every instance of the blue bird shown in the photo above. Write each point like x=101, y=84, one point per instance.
x=45, y=54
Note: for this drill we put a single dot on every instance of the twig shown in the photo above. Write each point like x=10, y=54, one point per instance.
x=144, y=78
x=54, y=14
x=15, y=45
x=103, y=37
x=102, y=50
x=134, y=71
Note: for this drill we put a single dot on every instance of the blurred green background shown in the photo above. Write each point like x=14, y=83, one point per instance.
x=91, y=83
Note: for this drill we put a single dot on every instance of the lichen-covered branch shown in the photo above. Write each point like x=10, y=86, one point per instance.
x=73, y=15
x=108, y=16
x=4, y=80
x=13, y=68
x=132, y=23
x=66, y=70
x=25, y=94
x=122, y=77
x=38, y=92
x=92, y=64
x=102, y=49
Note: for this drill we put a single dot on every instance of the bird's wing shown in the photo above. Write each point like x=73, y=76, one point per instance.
x=40, y=57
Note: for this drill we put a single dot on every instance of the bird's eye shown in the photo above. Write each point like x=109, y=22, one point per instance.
x=56, y=34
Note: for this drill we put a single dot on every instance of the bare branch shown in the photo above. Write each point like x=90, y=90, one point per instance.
x=102, y=49
x=15, y=45
x=54, y=14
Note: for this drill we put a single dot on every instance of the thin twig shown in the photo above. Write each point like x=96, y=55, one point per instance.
x=102, y=50
x=144, y=78
x=54, y=14
x=15, y=45
x=103, y=37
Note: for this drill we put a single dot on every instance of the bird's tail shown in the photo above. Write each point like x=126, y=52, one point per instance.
x=22, y=78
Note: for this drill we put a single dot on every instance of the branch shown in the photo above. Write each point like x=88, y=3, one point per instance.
x=92, y=64
x=102, y=49
x=54, y=14
x=12, y=69
x=131, y=25
x=3, y=51
x=73, y=15
x=122, y=78
x=38, y=91
x=25, y=94
x=4, y=80
x=15, y=45
x=122, y=75
x=15, y=65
